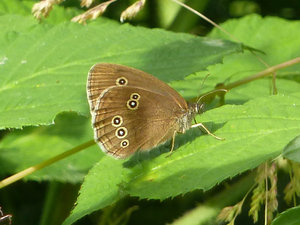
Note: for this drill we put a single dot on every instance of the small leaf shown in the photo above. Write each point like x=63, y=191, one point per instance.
x=288, y=217
x=102, y=187
x=292, y=150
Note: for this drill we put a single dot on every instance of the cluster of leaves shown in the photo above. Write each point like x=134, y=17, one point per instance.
x=43, y=70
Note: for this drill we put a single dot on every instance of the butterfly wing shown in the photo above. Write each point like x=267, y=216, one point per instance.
x=126, y=119
x=104, y=75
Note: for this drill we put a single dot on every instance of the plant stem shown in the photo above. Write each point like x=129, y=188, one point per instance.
x=9, y=180
x=266, y=188
x=206, y=19
x=263, y=73
x=210, y=95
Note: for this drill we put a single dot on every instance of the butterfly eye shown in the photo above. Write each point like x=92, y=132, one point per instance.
x=121, y=132
x=135, y=96
x=117, y=121
x=121, y=81
x=132, y=104
x=124, y=143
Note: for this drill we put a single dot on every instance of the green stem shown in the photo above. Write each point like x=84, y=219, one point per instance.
x=262, y=74
x=206, y=19
x=32, y=169
x=249, y=79
x=266, y=191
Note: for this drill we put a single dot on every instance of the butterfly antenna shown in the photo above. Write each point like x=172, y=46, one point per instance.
x=211, y=92
x=202, y=84
x=204, y=80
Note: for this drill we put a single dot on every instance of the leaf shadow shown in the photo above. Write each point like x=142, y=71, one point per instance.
x=180, y=140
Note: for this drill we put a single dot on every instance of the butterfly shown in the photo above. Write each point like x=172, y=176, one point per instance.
x=133, y=110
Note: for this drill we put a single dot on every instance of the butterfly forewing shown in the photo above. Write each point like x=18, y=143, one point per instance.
x=104, y=75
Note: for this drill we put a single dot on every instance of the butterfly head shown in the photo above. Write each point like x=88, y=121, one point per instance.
x=196, y=108
x=188, y=117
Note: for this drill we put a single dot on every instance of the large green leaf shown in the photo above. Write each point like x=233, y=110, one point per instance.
x=44, y=68
x=253, y=132
x=104, y=185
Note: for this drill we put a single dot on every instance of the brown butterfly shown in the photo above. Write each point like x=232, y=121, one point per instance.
x=133, y=110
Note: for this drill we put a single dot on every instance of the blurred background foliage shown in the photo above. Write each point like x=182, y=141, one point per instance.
x=168, y=15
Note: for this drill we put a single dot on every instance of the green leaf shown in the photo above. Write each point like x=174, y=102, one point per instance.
x=290, y=217
x=276, y=37
x=21, y=149
x=253, y=132
x=206, y=212
x=43, y=69
x=103, y=187
x=292, y=150
x=238, y=66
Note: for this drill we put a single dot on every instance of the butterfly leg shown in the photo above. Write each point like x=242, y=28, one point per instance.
x=172, y=144
x=5, y=217
x=207, y=131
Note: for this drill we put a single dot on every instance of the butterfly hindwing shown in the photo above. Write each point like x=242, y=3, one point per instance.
x=126, y=119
